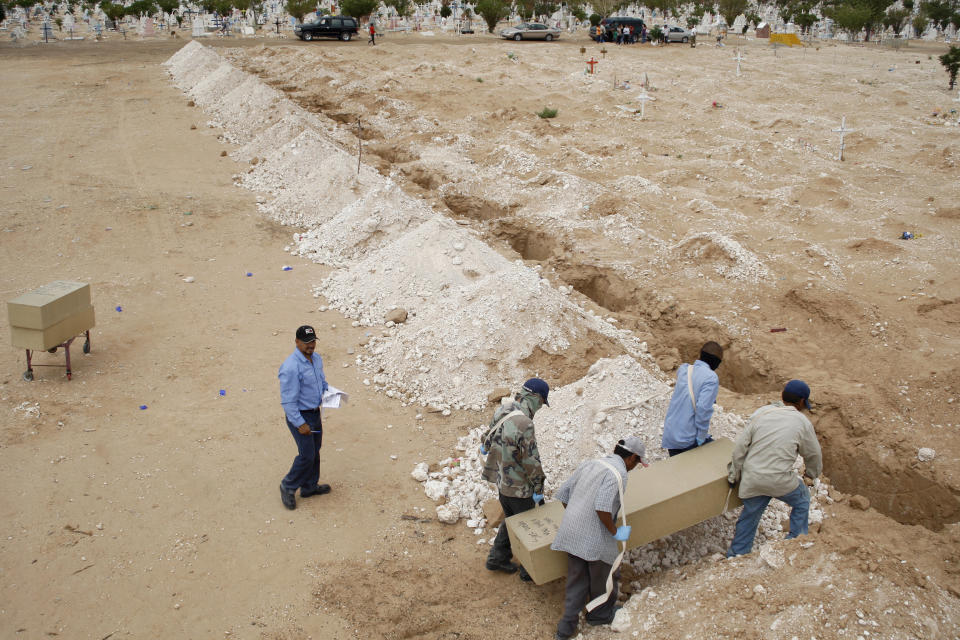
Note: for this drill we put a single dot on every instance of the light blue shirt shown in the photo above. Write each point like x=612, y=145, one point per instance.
x=682, y=427
x=302, y=384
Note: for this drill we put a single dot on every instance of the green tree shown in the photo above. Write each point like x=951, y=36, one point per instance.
x=579, y=13
x=595, y=19
x=730, y=9
x=114, y=11
x=920, y=23
x=939, y=11
x=402, y=7
x=3, y=12
x=168, y=6
x=851, y=17
x=445, y=11
x=895, y=19
x=951, y=61
x=492, y=11
x=299, y=8
x=358, y=9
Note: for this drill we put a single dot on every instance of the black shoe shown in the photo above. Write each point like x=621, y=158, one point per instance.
x=506, y=567
x=289, y=501
x=597, y=623
x=560, y=636
x=526, y=577
x=318, y=490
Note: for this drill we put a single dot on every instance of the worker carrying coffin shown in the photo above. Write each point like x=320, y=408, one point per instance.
x=592, y=496
x=513, y=464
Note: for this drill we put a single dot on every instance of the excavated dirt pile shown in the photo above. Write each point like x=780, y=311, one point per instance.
x=480, y=244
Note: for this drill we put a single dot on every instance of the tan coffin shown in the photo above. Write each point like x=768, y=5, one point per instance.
x=49, y=305
x=666, y=497
x=42, y=339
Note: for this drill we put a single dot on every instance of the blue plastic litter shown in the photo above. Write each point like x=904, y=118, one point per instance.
x=906, y=235
x=288, y=268
x=223, y=392
x=143, y=407
x=119, y=308
x=249, y=274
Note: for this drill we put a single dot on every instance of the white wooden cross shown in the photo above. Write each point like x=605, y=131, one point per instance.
x=957, y=99
x=738, y=62
x=842, y=131
x=643, y=98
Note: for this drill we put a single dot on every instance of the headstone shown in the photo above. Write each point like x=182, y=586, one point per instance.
x=198, y=30
x=842, y=130
x=148, y=31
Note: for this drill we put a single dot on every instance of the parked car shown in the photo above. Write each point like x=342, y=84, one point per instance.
x=343, y=27
x=677, y=34
x=611, y=25
x=530, y=31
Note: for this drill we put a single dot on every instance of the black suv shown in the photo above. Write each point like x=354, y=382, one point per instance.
x=343, y=27
x=610, y=26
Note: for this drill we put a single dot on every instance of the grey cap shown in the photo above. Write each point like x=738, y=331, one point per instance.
x=634, y=444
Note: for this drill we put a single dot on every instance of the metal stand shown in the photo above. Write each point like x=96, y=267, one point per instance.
x=28, y=374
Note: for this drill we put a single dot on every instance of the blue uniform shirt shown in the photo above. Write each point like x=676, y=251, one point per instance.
x=682, y=428
x=302, y=384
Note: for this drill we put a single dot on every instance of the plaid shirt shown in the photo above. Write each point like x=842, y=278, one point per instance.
x=591, y=488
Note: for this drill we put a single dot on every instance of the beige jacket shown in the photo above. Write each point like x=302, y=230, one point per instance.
x=764, y=453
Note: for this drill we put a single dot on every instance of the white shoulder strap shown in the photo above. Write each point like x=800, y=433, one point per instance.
x=599, y=600
x=493, y=429
x=693, y=400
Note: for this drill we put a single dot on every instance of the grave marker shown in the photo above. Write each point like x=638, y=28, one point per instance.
x=738, y=62
x=644, y=97
x=592, y=62
x=842, y=130
x=957, y=100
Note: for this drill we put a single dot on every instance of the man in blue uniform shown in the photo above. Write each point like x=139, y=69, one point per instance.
x=302, y=384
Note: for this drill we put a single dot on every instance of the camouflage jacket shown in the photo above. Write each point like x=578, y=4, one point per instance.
x=513, y=461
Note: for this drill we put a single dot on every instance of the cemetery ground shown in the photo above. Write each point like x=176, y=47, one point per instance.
x=723, y=214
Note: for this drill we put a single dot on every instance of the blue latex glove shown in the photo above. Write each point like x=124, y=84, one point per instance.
x=483, y=450
x=537, y=498
x=622, y=533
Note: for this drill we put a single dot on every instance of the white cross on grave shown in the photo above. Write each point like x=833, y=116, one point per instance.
x=842, y=130
x=738, y=59
x=957, y=99
x=643, y=98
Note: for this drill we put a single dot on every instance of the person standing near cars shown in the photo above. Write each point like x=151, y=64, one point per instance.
x=302, y=384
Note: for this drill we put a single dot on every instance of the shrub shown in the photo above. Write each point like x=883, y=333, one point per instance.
x=548, y=113
x=951, y=61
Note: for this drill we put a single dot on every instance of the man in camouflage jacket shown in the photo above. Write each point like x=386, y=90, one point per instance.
x=513, y=464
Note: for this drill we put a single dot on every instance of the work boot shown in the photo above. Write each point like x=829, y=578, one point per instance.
x=289, y=501
x=318, y=490
x=597, y=623
x=525, y=576
x=506, y=566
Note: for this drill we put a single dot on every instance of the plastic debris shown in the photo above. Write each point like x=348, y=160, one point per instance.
x=119, y=308
x=249, y=274
x=287, y=268
x=223, y=392
x=778, y=330
x=906, y=235
x=188, y=213
x=143, y=407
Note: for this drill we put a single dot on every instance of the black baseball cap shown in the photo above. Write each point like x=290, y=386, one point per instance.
x=306, y=334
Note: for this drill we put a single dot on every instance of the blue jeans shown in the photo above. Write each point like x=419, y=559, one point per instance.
x=305, y=472
x=753, y=508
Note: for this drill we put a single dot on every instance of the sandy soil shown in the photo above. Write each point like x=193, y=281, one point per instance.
x=165, y=522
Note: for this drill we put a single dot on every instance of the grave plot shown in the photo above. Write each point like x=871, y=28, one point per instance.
x=722, y=212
